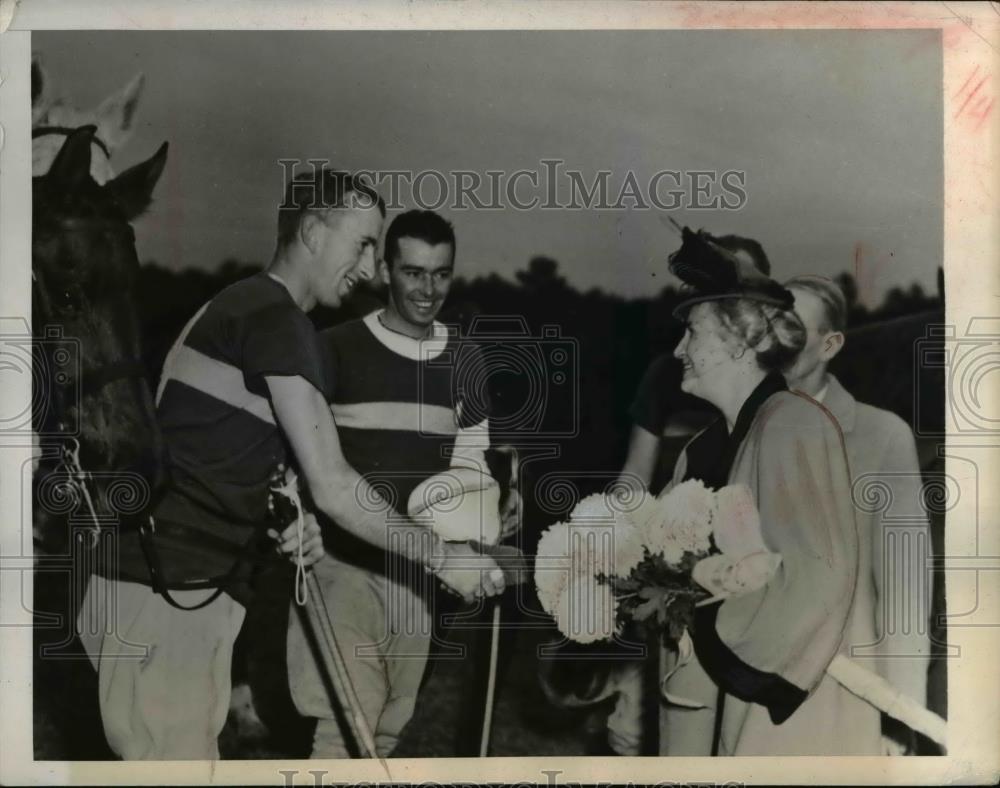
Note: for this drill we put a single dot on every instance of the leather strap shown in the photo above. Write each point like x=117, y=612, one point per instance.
x=43, y=131
x=147, y=541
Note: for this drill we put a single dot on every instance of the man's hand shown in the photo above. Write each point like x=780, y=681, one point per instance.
x=312, y=541
x=468, y=573
x=511, y=511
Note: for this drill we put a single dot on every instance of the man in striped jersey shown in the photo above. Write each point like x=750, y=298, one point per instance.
x=242, y=386
x=405, y=410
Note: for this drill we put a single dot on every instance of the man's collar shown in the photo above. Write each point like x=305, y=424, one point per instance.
x=413, y=349
x=840, y=403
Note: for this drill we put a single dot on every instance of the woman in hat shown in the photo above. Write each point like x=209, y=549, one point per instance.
x=756, y=679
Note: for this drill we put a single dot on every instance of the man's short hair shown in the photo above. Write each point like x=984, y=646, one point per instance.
x=320, y=191
x=830, y=295
x=425, y=226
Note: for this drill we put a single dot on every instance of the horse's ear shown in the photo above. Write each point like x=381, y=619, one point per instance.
x=72, y=164
x=41, y=89
x=133, y=189
x=116, y=115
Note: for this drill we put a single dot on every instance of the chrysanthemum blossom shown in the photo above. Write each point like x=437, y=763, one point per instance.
x=628, y=550
x=591, y=549
x=680, y=522
x=554, y=541
x=643, y=514
x=552, y=565
x=671, y=548
x=586, y=609
x=689, y=514
x=592, y=508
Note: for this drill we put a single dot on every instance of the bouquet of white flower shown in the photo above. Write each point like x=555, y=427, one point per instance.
x=650, y=560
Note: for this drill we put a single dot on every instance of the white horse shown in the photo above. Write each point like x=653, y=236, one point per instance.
x=52, y=119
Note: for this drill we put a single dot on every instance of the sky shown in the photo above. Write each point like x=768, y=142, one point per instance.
x=839, y=134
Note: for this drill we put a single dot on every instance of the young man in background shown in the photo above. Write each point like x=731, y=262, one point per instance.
x=403, y=414
x=890, y=625
x=241, y=386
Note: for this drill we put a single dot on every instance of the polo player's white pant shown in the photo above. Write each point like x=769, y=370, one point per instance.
x=163, y=673
x=383, y=630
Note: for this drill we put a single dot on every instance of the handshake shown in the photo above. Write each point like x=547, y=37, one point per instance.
x=465, y=567
x=472, y=570
x=465, y=510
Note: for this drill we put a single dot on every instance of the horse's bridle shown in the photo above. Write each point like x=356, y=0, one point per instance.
x=65, y=131
x=88, y=383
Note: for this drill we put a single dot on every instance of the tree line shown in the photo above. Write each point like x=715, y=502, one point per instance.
x=615, y=340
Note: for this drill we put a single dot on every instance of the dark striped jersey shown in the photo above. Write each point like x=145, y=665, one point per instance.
x=221, y=437
x=405, y=409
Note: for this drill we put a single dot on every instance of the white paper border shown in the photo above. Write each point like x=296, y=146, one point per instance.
x=970, y=36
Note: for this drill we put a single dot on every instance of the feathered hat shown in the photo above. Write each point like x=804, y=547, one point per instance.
x=711, y=271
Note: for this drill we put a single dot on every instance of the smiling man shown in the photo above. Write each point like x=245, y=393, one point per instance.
x=241, y=394
x=418, y=271
x=402, y=418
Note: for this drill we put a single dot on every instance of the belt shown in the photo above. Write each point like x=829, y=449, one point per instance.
x=148, y=532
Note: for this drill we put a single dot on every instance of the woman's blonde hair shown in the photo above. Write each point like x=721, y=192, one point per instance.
x=776, y=335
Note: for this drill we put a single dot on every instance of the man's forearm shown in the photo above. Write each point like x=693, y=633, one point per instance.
x=337, y=489
x=361, y=511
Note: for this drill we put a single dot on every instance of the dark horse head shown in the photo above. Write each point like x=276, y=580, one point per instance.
x=91, y=389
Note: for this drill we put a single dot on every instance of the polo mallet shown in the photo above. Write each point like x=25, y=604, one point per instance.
x=462, y=504
x=484, y=740
x=874, y=689
x=710, y=573
x=286, y=505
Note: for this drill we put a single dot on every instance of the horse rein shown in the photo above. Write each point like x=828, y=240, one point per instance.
x=69, y=446
x=87, y=383
x=70, y=465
